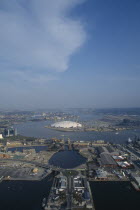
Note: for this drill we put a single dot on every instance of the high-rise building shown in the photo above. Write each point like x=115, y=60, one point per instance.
x=10, y=132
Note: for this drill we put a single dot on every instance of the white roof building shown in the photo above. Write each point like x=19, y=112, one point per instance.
x=66, y=124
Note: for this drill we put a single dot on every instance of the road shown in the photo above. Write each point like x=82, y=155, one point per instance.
x=69, y=193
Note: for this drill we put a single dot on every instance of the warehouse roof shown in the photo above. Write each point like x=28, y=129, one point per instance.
x=106, y=159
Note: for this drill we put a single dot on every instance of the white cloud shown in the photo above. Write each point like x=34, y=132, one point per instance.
x=38, y=35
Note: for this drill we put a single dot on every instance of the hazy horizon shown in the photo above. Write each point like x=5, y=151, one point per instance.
x=69, y=108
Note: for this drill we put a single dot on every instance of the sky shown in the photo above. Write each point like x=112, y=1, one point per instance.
x=69, y=53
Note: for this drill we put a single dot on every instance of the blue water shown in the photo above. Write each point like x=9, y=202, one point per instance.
x=67, y=159
x=115, y=196
x=37, y=129
x=24, y=195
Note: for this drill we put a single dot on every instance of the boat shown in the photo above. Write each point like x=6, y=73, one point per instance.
x=135, y=186
x=129, y=140
x=116, y=133
x=1, y=178
x=44, y=202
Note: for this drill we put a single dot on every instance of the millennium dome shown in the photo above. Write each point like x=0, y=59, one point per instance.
x=66, y=124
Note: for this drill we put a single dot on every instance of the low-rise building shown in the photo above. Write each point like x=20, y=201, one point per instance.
x=118, y=158
x=4, y=155
x=107, y=161
x=124, y=164
x=101, y=174
x=14, y=143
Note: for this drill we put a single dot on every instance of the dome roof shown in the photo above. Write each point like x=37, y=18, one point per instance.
x=66, y=124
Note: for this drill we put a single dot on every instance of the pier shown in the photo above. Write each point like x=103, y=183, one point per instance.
x=70, y=191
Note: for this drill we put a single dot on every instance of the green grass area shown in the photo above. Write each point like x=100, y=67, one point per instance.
x=70, y=173
x=19, y=137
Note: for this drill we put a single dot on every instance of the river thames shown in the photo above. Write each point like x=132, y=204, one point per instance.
x=38, y=130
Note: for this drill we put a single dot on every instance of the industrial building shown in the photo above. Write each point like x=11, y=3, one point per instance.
x=118, y=158
x=108, y=149
x=78, y=183
x=61, y=183
x=101, y=174
x=124, y=164
x=107, y=161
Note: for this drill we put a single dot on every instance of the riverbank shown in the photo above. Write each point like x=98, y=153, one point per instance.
x=30, y=146
x=94, y=129
x=32, y=178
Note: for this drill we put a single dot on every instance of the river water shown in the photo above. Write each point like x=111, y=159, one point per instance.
x=24, y=195
x=67, y=159
x=115, y=196
x=37, y=129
